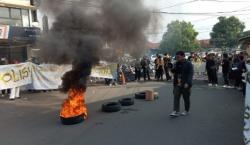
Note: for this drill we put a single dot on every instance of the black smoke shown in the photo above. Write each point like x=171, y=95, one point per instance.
x=81, y=30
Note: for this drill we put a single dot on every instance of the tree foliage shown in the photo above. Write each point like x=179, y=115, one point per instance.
x=246, y=34
x=180, y=35
x=226, y=32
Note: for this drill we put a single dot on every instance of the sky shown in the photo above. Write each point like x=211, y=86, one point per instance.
x=202, y=23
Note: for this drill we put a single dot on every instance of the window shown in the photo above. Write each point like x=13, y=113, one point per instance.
x=11, y=16
x=15, y=13
x=4, y=12
x=11, y=22
x=34, y=16
x=32, y=2
x=25, y=17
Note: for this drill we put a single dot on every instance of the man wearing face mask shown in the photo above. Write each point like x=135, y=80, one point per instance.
x=183, y=76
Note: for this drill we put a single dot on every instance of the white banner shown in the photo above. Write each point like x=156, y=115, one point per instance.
x=104, y=71
x=44, y=76
x=15, y=75
x=47, y=76
x=199, y=71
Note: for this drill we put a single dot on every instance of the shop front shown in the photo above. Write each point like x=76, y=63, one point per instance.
x=16, y=42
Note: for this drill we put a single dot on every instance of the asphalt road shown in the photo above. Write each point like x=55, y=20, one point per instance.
x=216, y=119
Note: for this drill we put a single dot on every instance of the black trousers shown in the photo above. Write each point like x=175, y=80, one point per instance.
x=238, y=79
x=156, y=73
x=178, y=92
x=226, y=78
x=160, y=73
x=137, y=74
x=168, y=77
x=7, y=91
x=244, y=89
x=146, y=73
x=212, y=76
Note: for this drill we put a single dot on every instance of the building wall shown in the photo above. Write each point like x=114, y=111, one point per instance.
x=17, y=13
x=17, y=2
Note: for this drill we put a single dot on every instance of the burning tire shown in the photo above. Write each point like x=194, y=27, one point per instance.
x=140, y=95
x=72, y=120
x=111, y=107
x=73, y=109
x=127, y=102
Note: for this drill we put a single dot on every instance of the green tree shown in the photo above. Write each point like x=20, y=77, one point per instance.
x=226, y=32
x=246, y=34
x=180, y=35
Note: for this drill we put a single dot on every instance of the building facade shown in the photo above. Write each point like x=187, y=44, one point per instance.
x=18, y=29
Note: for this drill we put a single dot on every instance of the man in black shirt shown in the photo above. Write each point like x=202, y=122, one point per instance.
x=225, y=70
x=183, y=76
x=145, y=67
x=211, y=68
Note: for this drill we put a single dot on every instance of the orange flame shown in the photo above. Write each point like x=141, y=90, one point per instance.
x=74, y=105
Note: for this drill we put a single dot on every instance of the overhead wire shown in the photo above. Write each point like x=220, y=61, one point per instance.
x=211, y=17
x=178, y=4
x=203, y=13
x=229, y=1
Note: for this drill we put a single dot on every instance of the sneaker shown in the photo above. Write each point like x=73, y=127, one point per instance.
x=225, y=86
x=174, y=114
x=216, y=85
x=210, y=85
x=184, y=113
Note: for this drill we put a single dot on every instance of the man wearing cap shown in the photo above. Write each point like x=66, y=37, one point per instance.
x=183, y=76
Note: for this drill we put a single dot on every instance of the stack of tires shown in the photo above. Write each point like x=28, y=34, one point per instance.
x=148, y=95
x=117, y=106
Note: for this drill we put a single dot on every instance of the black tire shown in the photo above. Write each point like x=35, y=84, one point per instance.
x=111, y=107
x=127, y=101
x=72, y=120
x=140, y=95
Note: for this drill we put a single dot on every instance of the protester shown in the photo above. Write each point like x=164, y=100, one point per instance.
x=241, y=68
x=156, y=61
x=15, y=91
x=191, y=57
x=231, y=72
x=167, y=66
x=183, y=75
x=122, y=78
x=145, y=67
x=160, y=65
x=4, y=61
x=225, y=70
x=211, y=68
x=137, y=70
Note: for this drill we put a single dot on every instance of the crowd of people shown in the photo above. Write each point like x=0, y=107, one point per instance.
x=233, y=70
x=161, y=65
x=231, y=66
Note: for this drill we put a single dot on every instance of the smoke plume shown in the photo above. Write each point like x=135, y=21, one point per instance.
x=83, y=28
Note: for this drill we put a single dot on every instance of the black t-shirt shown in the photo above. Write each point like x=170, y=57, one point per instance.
x=225, y=65
x=183, y=73
x=210, y=65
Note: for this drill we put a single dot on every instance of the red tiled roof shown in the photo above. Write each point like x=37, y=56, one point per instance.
x=151, y=45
